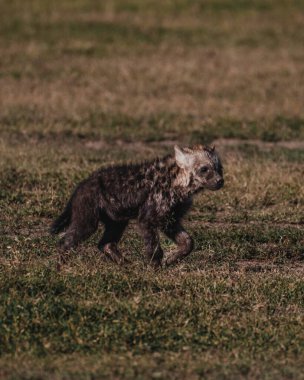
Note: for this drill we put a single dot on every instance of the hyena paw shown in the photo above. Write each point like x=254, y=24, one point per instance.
x=172, y=258
x=111, y=252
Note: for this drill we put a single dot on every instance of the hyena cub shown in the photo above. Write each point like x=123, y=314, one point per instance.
x=156, y=193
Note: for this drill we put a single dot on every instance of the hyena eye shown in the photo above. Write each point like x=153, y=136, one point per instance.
x=203, y=169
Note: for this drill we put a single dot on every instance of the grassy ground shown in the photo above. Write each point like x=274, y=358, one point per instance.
x=86, y=83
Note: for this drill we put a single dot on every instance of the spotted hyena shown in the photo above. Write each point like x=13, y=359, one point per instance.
x=157, y=194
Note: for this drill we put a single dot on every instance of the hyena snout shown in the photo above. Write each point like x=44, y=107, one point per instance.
x=220, y=183
x=216, y=183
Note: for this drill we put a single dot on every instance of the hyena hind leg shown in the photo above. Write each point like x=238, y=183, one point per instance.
x=111, y=236
x=184, y=241
x=79, y=230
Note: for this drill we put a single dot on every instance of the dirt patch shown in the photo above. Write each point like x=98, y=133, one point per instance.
x=219, y=143
x=97, y=145
x=130, y=145
x=294, y=144
x=135, y=146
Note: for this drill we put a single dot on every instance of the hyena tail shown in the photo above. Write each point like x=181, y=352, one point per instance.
x=63, y=220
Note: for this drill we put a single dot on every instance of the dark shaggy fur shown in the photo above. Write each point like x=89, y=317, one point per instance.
x=156, y=193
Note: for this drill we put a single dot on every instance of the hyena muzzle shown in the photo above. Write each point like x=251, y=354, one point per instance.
x=157, y=194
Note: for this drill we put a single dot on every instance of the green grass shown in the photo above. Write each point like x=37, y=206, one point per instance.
x=25, y=124
x=135, y=314
x=40, y=313
x=86, y=84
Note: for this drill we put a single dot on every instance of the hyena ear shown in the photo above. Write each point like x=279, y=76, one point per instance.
x=183, y=158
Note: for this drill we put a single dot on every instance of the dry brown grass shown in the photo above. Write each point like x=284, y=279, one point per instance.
x=204, y=82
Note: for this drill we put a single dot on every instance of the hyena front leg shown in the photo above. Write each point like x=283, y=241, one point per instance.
x=180, y=236
x=152, y=244
x=111, y=236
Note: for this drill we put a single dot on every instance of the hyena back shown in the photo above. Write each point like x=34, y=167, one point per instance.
x=158, y=194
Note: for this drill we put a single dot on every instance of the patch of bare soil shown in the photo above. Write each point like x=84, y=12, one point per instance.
x=96, y=145
x=294, y=144
x=220, y=143
x=138, y=146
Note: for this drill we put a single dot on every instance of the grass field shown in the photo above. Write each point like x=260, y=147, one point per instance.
x=87, y=83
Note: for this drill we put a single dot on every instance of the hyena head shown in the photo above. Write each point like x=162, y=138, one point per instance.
x=201, y=168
